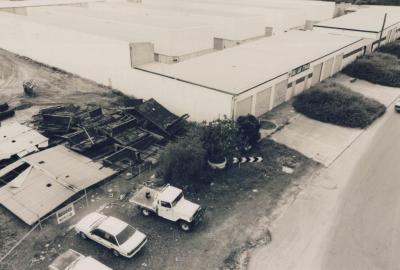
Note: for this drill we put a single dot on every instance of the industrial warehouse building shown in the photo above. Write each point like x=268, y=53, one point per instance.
x=260, y=75
x=192, y=59
x=366, y=22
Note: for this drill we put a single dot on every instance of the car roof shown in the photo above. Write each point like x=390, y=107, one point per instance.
x=112, y=225
x=169, y=194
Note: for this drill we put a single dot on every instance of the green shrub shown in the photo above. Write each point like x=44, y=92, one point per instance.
x=391, y=48
x=380, y=68
x=221, y=139
x=333, y=103
x=183, y=162
x=249, y=128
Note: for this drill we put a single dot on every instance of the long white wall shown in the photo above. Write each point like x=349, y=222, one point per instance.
x=104, y=61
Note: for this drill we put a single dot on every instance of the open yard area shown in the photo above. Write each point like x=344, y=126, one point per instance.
x=240, y=202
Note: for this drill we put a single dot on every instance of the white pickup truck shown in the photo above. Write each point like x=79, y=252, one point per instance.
x=168, y=203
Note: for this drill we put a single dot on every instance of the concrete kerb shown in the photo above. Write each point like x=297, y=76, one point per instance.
x=362, y=132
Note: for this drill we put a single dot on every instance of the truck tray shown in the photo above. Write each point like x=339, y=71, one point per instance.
x=141, y=200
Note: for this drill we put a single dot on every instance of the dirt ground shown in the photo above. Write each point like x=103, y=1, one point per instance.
x=240, y=202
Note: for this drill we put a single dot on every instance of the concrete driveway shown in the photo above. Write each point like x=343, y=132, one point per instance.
x=320, y=141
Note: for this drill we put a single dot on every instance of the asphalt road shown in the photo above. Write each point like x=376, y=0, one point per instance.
x=367, y=234
x=349, y=217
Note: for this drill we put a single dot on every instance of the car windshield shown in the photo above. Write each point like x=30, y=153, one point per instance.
x=125, y=234
x=177, y=199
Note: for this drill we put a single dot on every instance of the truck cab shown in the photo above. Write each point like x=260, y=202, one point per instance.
x=172, y=205
x=168, y=203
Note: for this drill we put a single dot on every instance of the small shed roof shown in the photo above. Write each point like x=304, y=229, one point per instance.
x=367, y=19
x=237, y=69
x=54, y=176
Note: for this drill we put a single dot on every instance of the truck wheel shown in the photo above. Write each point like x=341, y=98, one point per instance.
x=83, y=235
x=145, y=212
x=116, y=253
x=185, y=226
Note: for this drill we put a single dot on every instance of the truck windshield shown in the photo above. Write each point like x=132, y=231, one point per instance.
x=125, y=234
x=174, y=202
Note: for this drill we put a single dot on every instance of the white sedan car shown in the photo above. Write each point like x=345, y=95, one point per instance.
x=73, y=260
x=112, y=233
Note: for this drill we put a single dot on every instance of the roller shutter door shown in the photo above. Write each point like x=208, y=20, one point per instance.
x=300, y=85
x=316, y=74
x=243, y=107
x=280, y=93
x=338, y=63
x=263, y=100
x=326, y=73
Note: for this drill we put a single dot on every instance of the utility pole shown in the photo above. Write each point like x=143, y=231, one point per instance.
x=383, y=28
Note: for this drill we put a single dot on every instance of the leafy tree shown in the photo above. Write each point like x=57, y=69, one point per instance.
x=182, y=162
x=249, y=128
x=221, y=139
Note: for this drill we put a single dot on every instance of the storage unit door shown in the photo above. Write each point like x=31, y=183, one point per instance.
x=280, y=93
x=243, y=107
x=326, y=73
x=316, y=74
x=300, y=85
x=263, y=100
x=338, y=63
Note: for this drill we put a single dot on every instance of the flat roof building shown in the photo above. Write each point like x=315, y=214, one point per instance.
x=168, y=37
x=366, y=22
x=277, y=18
x=313, y=10
x=257, y=77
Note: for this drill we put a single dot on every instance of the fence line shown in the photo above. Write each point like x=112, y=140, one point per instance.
x=39, y=224
x=18, y=243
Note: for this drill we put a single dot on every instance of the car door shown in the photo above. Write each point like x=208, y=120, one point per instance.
x=165, y=210
x=111, y=241
x=100, y=237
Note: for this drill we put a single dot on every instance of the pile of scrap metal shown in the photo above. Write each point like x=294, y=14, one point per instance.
x=6, y=111
x=119, y=137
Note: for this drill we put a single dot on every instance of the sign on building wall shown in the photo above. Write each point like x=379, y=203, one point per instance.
x=65, y=213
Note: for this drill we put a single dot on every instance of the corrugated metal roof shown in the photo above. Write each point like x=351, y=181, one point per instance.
x=55, y=175
x=22, y=144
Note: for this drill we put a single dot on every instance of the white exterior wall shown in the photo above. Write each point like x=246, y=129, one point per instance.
x=105, y=60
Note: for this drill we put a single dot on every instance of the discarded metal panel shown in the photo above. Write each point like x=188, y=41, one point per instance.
x=4, y=107
x=123, y=159
x=6, y=111
x=86, y=140
x=159, y=117
x=20, y=140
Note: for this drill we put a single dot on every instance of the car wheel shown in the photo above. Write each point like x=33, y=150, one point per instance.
x=145, y=212
x=116, y=253
x=185, y=226
x=83, y=235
